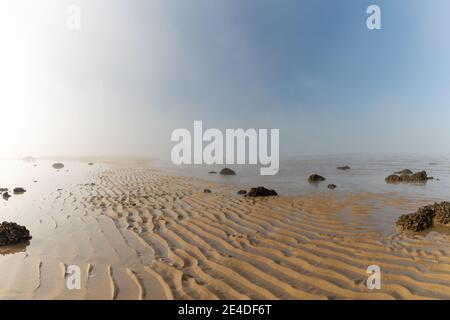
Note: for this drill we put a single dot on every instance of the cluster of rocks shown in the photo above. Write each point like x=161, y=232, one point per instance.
x=407, y=176
x=425, y=217
x=12, y=233
x=6, y=194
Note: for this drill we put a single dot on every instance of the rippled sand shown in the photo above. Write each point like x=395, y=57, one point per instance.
x=137, y=233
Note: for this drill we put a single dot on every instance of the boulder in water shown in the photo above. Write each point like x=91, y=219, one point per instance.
x=58, y=165
x=227, y=172
x=315, y=178
x=332, y=186
x=19, y=190
x=343, y=168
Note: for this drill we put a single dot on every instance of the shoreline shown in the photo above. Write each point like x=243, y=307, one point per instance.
x=142, y=233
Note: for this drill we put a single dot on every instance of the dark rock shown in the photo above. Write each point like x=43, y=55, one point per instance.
x=261, y=192
x=343, y=168
x=418, y=221
x=393, y=178
x=241, y=192
x=19, y=190
x=12, y=233
x=207, y=191
x=58, y=165
x=6, y=195
x=442, y=212
x=212, y=172
x=404, y=171
x=90, y=164
x=332, y=186
x=419, y=177
x=3, y=190
x=227, y=172
x=315, y=178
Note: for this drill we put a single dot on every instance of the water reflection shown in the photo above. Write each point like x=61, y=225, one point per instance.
x=13, y=249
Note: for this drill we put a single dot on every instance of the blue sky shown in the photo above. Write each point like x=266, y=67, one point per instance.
x=139, y=69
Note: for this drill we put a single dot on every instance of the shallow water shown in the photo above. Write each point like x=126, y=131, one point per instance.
x=367, y=174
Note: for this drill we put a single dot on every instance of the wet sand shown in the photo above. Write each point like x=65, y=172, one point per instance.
x=138, y=233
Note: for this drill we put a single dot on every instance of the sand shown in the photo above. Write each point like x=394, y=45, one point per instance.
x=138, y=233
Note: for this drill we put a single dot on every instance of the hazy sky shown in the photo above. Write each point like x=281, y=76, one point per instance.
x=137, y=70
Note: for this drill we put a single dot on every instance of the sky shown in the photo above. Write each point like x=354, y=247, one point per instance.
x=137, y=70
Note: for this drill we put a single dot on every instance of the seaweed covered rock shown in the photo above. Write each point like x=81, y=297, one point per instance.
x=406, y=176
x=227, y=172
x=12, y=233
x=261, y=192
x=418, y=221
x=425, y=217
x=315, y=178
x=393, y=178
x=442, y=212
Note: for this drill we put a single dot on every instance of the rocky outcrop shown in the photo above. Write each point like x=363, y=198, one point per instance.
x=332, y=186
x=404, y=171
x=406, y=176
x=261, y=192
x=315, y=178
x=58, y=165
x=19, y=190
x=343, y=168
x=425, y=217
x=6, y=195
x=227, y=172
x=12, y=233
x=242, y=192
x=207, y=191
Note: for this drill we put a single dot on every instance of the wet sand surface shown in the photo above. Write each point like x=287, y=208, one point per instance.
x=138, y=233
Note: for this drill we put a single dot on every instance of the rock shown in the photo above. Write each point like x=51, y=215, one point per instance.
x=207, y=191
x=241, y=192
x=3, y=190
x=58, y=165
x=212, y=172
x=227, y=172
x=393, y=178
x=12, y=233
x=432, y=163
x=419, y=177
x=90, y=164
x=425, y=217
x=19, y=190
x=442, y=212
x=418, y=221
x=6, y=195
x=404, y=171
x=343, y=168
x=261, y=192
x=315, y=178
x=332, y=186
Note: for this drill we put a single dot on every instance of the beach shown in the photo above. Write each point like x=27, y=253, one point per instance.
x=138, y=232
